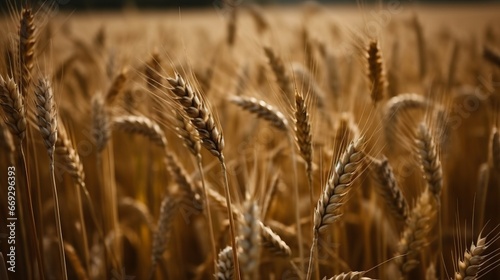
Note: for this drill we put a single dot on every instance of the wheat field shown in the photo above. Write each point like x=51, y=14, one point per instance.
x=250, y=142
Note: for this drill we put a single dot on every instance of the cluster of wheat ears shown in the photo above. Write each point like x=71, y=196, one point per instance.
x=249, y=153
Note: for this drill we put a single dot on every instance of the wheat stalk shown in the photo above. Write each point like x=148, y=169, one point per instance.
x=495, y=149
x=398, y=105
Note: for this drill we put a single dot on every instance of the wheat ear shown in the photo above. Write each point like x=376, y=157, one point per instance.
x=225, y=264
x=101, y=131
x=117, y=87
x=376, y=72
x=46, y=114
x=469, y=266
x=257, y=15
x=249, y=241
x=338, y=185
x=429, y=160
x=262, y=110
x=162, y=233
x=190, y=136
x=210, y=133
x=273, y=242
x=303, y=138
x=389, y=189
x=352, y=275
x=414, y=238
x=280, y=72
x=26, y=50
x=13, y=107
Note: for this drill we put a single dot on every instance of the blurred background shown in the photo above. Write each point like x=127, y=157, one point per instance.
x=115, y=4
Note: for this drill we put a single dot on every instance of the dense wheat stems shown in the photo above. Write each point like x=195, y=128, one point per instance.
x=46, y=114
x=337, y=187
x=193, y=105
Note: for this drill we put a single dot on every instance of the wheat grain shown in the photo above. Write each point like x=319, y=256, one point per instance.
x=470, y=265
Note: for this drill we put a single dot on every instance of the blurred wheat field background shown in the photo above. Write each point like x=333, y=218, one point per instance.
x=251, y=142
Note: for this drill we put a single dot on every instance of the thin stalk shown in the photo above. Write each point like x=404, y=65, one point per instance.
x=231, y=219
x=57, y=217
x=31, y=216
x=208, y=212
x=296, y=198
x=83, y=228
x=312, y=253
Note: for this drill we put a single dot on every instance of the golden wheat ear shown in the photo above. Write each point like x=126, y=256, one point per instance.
x=225, y=264
x=352, y=275
x=263, y=110
x=13, y=107
x=376, y=72
x=26, y=50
